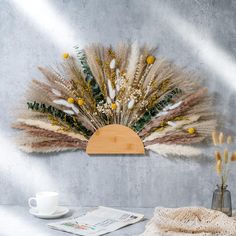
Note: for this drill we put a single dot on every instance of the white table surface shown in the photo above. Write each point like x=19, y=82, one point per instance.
x=16, y=221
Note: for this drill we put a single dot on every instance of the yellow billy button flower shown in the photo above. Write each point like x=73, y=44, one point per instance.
x=80, y=101
x=113, y=106
x=150, y=59
x=191, y=130
x=70, y=100
x=65, y=55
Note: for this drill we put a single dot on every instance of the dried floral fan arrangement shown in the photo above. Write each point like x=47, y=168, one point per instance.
x=125, y=85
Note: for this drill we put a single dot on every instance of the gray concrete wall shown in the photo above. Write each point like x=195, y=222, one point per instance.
x=199, y=35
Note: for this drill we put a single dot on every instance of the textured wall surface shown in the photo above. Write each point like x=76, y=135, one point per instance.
x=199, y=35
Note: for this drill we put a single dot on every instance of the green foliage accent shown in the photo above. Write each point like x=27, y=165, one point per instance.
x=158, y=107
x=89, y=78
x=69, y=120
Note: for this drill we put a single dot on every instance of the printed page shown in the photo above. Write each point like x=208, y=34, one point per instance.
x=98, y=222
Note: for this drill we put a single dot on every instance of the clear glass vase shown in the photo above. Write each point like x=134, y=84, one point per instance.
x=221, y=200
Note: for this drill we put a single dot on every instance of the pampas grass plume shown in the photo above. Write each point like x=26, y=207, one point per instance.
x=229, y=140
x=221, y=138
x=219, y=167
x=226, y=154
x=215, y=138
x=217, y=156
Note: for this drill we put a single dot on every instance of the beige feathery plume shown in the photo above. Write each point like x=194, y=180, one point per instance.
x=43, y=86
x=203, y=127
x=184, y=140
x=94, y=55
x=160, y=71
x=48, y=126
x=59, y=144
x=185, y=80
x=202, y=108
x=41, y=140
x=40, y=92
x=130, y=74
x=226, y=155
x=78, y=85
x=221, y=138
x=35, y=131
x=30, y=149
x=122, y=51
x=219, y=167
x=176, y=138
x=132, y=64
x=27, y=139
x=173, y=149
x=50, y=146
x=215, y=137
x=142, y=65
x=56, y=80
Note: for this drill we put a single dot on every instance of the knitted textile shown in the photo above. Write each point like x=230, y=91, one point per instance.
x=190, y=221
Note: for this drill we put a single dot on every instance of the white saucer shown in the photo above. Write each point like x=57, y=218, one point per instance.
x=61, y=211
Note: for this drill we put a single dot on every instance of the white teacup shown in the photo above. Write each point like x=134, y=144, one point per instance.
x=46, y=202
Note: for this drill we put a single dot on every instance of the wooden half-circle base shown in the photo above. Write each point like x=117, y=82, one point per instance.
x=115, y=139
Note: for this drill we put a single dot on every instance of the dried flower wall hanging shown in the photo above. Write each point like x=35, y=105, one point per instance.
x=124, y=86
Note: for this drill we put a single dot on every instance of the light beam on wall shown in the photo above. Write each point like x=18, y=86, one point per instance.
x=21, y=173
x=219, y=61
x=51, y=23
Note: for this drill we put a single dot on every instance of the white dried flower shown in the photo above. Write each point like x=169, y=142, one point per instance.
x=112, y=92
x=74, y=108
x=62, y=102
x=118, y=107
x=131, y=104
x=171, y=123
x=175, y=105
x=108, y=100
x=113, y=64
x=56, y=92
x=69, y=112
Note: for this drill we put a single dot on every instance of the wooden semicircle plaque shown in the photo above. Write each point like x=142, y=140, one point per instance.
x=115, y=139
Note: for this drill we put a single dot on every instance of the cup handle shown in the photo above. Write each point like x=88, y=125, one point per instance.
x=30, y=200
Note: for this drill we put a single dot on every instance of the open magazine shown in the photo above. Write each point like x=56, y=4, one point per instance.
x=100, y=221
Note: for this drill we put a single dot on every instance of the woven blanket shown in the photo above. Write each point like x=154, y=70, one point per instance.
x=190, y=221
